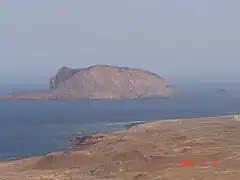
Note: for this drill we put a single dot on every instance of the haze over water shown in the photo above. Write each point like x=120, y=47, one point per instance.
x=37, y=127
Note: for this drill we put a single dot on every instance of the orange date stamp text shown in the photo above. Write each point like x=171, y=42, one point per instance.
x=190, y=163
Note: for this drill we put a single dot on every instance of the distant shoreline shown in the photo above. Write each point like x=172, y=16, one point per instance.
x=52, y=98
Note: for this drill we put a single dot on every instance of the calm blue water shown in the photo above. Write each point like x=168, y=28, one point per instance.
x=37, y=127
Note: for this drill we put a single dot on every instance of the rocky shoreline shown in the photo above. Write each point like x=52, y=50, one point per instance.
x=79, y=142
x=144, y=151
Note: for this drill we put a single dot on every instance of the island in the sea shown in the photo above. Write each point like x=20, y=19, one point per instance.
x=99, y=82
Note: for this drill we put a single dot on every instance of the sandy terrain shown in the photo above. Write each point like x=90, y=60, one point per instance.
x=146, y=151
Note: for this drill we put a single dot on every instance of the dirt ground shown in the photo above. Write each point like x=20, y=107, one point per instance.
x=146, y=151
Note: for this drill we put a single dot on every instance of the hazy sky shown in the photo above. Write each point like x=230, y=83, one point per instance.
x=178, y=39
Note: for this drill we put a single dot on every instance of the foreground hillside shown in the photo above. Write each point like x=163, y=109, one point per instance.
x=146, y=151
x=99, y=82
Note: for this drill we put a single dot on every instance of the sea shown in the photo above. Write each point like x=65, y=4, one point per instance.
x=31, y=128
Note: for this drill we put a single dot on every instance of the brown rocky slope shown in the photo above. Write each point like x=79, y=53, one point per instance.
x=150, y=151
x=100, y=82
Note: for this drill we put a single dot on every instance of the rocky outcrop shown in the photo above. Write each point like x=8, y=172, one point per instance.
x=85, y=141
x=101, y=82
x=104, y=82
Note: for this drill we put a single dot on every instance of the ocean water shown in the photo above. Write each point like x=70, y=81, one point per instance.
x=29, y=128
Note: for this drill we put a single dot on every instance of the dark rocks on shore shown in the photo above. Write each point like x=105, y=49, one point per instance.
x=15, y=158
x=88, y=140
x=85, y=141
x=128, y=126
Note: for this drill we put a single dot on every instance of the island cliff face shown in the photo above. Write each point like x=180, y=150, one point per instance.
x=100, y=82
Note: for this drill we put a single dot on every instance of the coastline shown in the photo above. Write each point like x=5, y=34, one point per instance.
x=144, y=151
x=131, y=127
x=69, y=148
